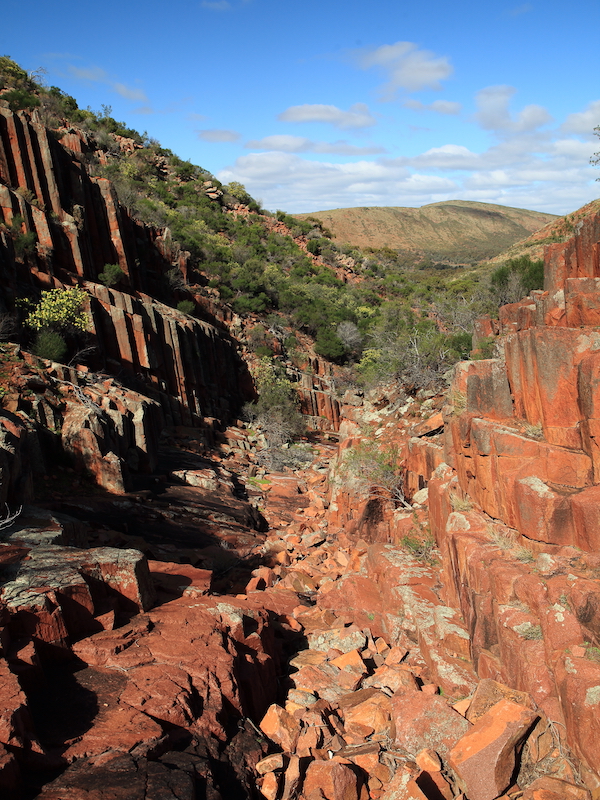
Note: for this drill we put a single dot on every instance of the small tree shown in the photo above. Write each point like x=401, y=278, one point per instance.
x=50, y=344
x=376, y=468
x=350, y=336
x=19, y=99
x=595, y=159
x=58, y=313
x=186, y=306
x=276, y=409
x=111, y=275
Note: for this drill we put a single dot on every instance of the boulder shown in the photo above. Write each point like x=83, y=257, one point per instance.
x=426, y=721
x=485, y=757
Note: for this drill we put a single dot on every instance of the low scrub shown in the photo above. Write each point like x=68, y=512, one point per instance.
x=277, y=409
x=50, y=344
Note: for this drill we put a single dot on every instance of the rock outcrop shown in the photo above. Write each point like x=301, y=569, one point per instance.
x=191, y=625
x=514, y=502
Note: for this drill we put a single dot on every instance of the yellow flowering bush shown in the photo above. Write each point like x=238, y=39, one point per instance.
x=59, y=309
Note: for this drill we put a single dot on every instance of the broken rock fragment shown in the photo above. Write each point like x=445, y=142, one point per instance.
x=485, y=757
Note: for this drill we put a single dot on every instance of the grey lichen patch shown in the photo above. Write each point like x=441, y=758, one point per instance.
x=570, y=666
x=399, y=558
x=528, y=630
x=592, y=696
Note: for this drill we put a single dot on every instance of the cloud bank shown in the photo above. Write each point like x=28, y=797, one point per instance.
x=357, y=116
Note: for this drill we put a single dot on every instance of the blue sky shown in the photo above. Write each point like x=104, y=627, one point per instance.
x=319, y=105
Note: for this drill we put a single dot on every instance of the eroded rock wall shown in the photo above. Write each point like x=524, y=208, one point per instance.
x=514, y=504
x=79, y=223
x=189, y=369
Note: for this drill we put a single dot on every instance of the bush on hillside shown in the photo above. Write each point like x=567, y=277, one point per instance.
x=376, y=468
x=276, y=409
x=50, y=344
x=186, y=306
x=59, y=309
x=20, y=99
x=111, y=275
x=515, y=279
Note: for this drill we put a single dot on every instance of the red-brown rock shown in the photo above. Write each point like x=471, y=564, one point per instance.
x=424, y=721
x=332, y=781
x=484, y=758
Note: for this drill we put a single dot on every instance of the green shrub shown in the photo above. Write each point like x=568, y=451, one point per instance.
x=11, y=74
x=24, y=243
x=276, y=409
x=517, y=278
x=420, y=547
x=186, y=306
x=329, y=345
x=376, y=467
x=486, y=348
x=19, y=99
x=59, y=309
x=50, y=344
x=111, y=275
x=186, y=171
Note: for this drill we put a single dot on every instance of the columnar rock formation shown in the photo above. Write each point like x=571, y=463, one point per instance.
x=341, y=655
x=190, y=368
x=515, y=498
x=79, y=223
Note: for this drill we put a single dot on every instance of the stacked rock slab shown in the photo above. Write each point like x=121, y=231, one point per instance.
x=521, y=452
x=80, y=227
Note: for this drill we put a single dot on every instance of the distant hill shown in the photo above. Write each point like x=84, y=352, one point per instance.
x=452, y=232
x=557, y=230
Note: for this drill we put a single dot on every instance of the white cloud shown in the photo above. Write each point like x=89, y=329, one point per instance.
x=573, y=149
x=524, y=9
x=583, y=122
x=407, y=67
x=298, y=144
x=99, y=75
x=292, y=182
x=89, y=74
x=439, y=106
x=357, y=116
x=216, y=5
x=494, y=113
x=218, y=135
x=546, y=170
x=283, y=143
x=447, y=157
x=446, y=107
x=128, y=93
x=525, y=166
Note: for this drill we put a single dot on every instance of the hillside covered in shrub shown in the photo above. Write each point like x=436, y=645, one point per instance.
x=375, y=313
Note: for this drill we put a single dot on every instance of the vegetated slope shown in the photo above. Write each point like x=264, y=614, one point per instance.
x=557, y=230
x=131, y=215
x=454, y=231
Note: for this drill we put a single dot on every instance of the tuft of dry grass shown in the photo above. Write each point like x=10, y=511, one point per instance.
x=533, y=431
x=460, y=503
x=524, y=554
x=501, y=538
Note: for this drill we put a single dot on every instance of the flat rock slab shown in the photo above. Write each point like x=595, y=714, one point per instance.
x=485, y=757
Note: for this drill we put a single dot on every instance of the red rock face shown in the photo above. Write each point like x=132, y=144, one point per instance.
x=527, y=465
x=484, y=758
x=194, y=364
x=376, y=665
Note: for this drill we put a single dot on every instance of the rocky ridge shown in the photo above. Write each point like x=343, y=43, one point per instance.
x=450, y=232
x=189, y=625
